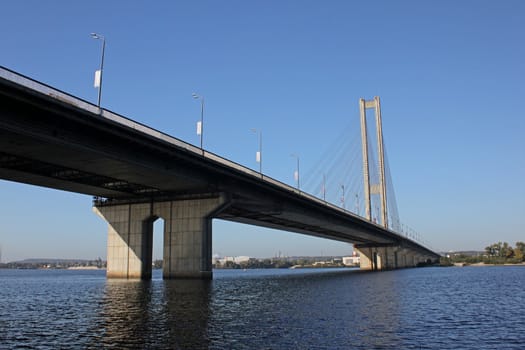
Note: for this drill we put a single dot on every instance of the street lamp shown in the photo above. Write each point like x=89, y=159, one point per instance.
x=296, y=174
x=323, y=189
x=258, y=155
x=343, y=195
x=98, y=73
x=200, y=124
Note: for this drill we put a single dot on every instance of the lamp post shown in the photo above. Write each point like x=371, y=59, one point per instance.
x=258, y=155
x=324, y=187
x=343, y=195
x=200, y=124
x=98, y=73
x=296, y=174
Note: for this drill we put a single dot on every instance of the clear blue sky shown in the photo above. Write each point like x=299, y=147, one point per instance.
x=450, y=75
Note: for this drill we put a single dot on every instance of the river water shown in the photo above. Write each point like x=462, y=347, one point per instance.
x=425, y=308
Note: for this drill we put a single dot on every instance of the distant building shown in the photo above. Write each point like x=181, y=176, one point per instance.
x=215, y=259
x=351, y=260
x=226, y=259
x=240, y=259
x=234, y=259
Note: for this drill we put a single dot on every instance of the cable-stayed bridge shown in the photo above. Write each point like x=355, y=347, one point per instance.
x=338, y=177
x=138, y=175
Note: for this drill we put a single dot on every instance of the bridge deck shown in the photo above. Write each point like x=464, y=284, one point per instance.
x=50, y=138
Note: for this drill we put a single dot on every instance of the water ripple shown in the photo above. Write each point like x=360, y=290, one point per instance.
x=431, y=308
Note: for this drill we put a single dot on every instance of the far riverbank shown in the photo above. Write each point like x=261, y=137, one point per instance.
x=459, y=264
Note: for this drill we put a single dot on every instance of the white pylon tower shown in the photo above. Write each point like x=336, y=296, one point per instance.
x=379, y=188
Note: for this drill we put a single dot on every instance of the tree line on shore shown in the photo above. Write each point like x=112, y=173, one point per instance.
x=279, y=263
x=496, y=253
x=53, y=264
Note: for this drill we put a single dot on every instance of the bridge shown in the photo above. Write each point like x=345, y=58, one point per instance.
x=137, y=174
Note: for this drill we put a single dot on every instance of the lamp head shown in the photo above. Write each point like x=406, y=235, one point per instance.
x=96, y=36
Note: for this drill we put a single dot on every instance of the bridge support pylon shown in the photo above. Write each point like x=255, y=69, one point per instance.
x=386, y=257
x=187, y=249
x=380, y=187
x=377, y=258
x=390, y=257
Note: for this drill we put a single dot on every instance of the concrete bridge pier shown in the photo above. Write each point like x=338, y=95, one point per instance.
x=423, y=259
x=405, y=258
x=388, y=257
x=187, y=240
x=377, y=257
x=367, y=258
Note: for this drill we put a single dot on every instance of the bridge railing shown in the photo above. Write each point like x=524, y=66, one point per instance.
x=42, y=88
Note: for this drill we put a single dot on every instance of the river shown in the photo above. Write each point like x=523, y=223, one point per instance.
x=425, y=308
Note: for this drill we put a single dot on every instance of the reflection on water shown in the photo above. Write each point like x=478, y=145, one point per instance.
x=162, y=314
x=376, y=312
x=329, y=310
x=188, y=313
x=431, y=308
x=125, y=314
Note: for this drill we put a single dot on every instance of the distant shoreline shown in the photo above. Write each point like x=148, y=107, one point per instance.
x=54, y=268
x=481, y=264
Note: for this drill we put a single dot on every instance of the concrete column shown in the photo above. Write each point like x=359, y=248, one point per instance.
x=129, y=244
x=187, y=237
x=391, y=258
x=405, y=258
x=397, y=258
x=365, y=258
x=400, y=259
x=420, y=259
x=372, y=258
x=380, y=259
x=411, y=259
x=383, y=258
